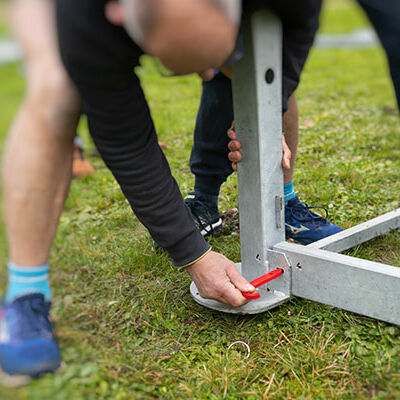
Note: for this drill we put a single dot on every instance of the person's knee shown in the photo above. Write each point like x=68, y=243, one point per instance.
x=49, y=90
x=52, y=94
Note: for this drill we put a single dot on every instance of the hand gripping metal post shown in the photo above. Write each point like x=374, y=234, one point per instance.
x=317, y=271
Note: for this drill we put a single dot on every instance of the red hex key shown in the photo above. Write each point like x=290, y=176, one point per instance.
x=261, y=281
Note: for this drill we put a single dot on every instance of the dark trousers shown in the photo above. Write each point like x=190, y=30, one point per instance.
x=100, y=58
x=385, y=17
x=209, y=158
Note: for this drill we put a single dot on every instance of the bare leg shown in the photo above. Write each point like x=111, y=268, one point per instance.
x=38, y=154
x=291, y=129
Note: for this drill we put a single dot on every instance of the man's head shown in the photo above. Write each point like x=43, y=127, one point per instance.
x=187, y=35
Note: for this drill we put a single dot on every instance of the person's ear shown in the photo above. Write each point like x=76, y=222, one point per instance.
x=114, y=12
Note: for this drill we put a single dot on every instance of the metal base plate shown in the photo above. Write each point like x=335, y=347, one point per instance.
x=269, y=299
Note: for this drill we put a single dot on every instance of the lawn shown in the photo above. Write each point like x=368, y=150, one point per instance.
x=127, y=325
x=3, y=18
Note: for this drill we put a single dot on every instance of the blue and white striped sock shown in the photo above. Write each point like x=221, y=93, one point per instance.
x=27, y=280
x=288, y=192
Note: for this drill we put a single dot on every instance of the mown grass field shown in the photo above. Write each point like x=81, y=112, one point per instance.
x=3, y=14
x=127, y=326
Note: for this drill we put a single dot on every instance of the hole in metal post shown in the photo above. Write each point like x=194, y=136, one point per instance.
x=269, y=75
x=258, y=258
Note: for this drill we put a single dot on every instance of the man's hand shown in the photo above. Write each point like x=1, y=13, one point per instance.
x=235, y=156
x=216, y=277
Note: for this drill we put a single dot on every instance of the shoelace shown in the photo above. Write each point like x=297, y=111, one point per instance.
x=302, y=212
x=34, y=320
x=196, y=207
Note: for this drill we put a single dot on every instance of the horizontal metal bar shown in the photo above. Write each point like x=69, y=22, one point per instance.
x=361, y=286
x=360, y=233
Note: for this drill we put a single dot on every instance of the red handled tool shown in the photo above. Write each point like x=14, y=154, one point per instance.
x=261, y=281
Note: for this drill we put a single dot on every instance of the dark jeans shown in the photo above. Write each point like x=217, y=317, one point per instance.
x=209, y=157
x=208, y=161
x=385, y=17
x=100, y=58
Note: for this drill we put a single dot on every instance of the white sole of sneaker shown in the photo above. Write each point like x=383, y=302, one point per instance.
x=213, y=227
x=15, y=381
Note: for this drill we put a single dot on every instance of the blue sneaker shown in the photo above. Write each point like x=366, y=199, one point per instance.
x=304, y=226
x=27, y=343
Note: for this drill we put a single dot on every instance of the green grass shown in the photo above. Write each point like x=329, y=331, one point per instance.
x=342, y=16
x=3, y=19
x=127, y=326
